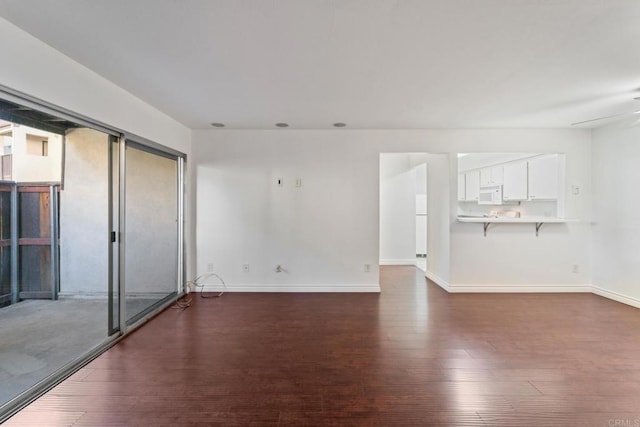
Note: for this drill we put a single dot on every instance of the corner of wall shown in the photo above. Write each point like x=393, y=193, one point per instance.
x=438, y=281
x=615, y=296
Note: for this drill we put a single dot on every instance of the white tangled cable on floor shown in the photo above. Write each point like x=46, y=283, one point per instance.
x=199, y=282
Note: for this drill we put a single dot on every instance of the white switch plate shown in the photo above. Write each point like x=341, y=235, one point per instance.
x=298, y=182
x=575, y=190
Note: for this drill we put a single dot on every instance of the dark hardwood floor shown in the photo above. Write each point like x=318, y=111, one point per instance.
x=413, y=355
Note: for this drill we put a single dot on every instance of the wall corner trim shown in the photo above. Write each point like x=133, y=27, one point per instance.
x=438, y=280
x=288, y=287
x=634, y=302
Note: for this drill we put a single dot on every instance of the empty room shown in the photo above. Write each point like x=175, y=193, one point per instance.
x=320, y=212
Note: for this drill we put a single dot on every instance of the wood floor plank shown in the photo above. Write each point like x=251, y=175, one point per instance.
x=412, y=355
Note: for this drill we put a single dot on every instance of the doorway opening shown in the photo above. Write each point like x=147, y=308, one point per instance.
x=403, y=209
x=402, y=203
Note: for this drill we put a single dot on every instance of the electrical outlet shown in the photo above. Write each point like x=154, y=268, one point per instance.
x=298, y=182
x=245, y=268
x=575, y=190
x=575, y=269
x=367, y=268
x=210, y=267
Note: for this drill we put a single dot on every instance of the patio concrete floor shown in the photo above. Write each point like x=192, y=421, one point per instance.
x=38, y=337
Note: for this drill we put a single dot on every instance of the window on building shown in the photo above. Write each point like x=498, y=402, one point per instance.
x=37, y=145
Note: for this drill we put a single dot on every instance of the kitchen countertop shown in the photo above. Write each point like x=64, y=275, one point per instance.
x=538, y=221
x=523, y=220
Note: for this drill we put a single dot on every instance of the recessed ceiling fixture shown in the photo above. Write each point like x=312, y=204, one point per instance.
x=282, y=125
x=339, y=125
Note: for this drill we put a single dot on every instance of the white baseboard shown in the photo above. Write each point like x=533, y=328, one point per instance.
x=519, y=288
x=468, y=288
x=410, y=261
x=292, y=288
x=505, y=288
x=437, y=280
x=586, y=288
x=634, y=302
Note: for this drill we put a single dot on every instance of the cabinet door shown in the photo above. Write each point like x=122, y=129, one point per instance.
x=472, y=184
x=491, y=176
x=515, y=181
x=485, y=177
x=543, y=178
x=497, y=175
x=461, y=188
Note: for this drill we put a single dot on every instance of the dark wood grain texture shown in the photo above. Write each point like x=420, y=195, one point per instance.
x=413, y=355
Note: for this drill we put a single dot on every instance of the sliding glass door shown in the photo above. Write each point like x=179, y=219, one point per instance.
x=151, y=229
x=91, y=242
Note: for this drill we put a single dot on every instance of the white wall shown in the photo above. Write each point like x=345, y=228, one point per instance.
x=84, y=214
x=616, y=222
x=328, y=230
x=439, y=219
x=320, y=232
x=36, y=168
x=33, y=67
x=398, y=188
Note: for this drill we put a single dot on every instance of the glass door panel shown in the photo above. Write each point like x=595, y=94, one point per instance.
x=54, y=253
x=151, y=230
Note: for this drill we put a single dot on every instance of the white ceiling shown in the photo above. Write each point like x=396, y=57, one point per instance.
x=397, y=64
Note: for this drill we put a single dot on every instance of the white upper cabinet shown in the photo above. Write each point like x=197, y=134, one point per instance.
x=543, y=177
x=491, y=176
x=497, y=175
x=485, y=177
x=515, y=181
x=472, y=186
x=534, y=181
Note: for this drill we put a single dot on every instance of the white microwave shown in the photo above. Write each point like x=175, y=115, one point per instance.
x=490, y=195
